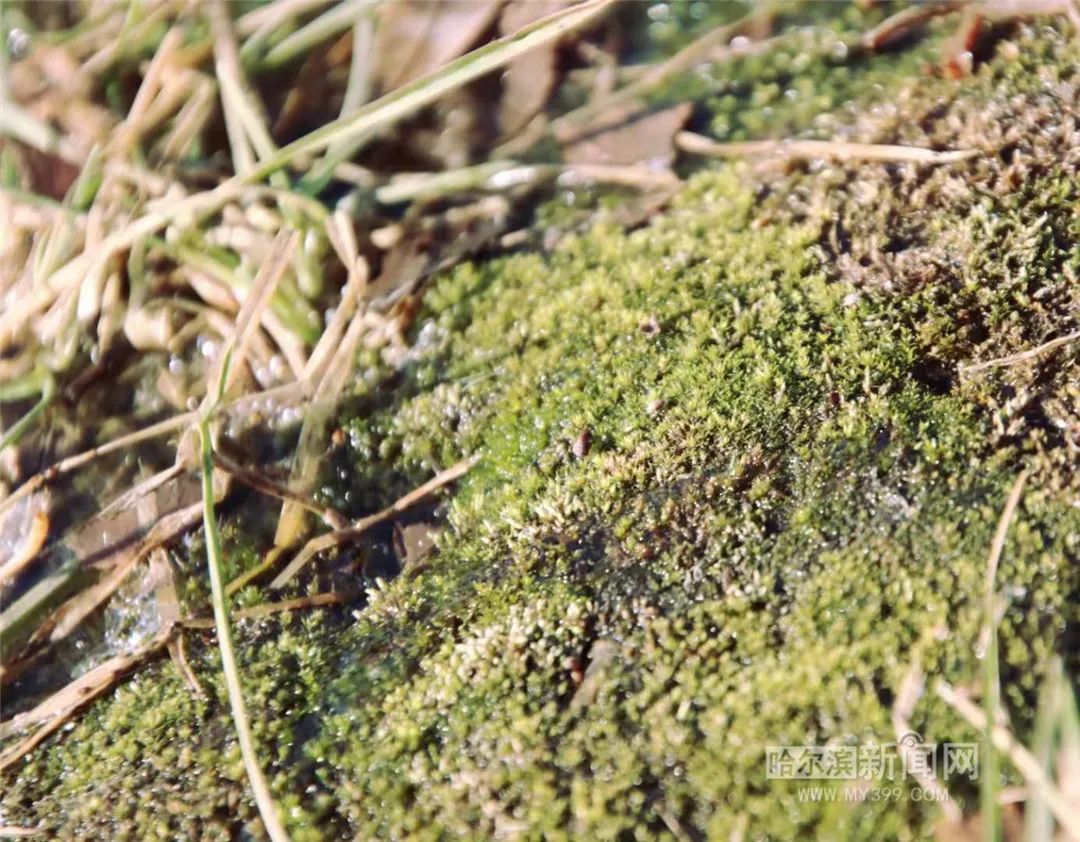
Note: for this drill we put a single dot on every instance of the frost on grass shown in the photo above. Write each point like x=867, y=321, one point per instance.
x=788, y=495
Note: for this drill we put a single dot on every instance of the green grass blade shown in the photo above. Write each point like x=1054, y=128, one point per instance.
x=990, y=783
x=1038, y=820
x=19, y=428
x=264, y=799
x=310, y=35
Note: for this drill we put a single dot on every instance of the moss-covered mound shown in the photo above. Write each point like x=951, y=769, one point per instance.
x=734, y=481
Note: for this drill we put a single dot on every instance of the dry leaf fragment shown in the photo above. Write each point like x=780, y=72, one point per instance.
x=168, y=609
x=622, y=137
x=415, y=542
x=414, y=37
x=528, y=81
x=22, y=534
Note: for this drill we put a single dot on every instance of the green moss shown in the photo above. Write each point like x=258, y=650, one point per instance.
x=788, y=495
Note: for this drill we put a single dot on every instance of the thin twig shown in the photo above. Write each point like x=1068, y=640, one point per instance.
x=266, y=609
x=344, y=536
x=1023, y=356
x=836, y=150
x=262, y=483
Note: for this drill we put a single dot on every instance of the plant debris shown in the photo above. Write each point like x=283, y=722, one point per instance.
x=220, y=227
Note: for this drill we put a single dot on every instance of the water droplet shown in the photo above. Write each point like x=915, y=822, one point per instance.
x=18, y=42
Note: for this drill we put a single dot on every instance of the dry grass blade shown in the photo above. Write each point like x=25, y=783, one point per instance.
x=998, y=544
x=14, y=832
x=342, y=237
x=1038, y=782
x=332, y=376
x=834, y=150
x=132, y=496
x=132, y=33
x=507, y=175
x=58, y=709
x=247, y=320
x=233, y=97
x=128, y=134
x=908, y=694
x=344, y=536
x=339, y=360
x=427, y=186
x=19, y=124
x=641, y=177
x=257, y=572
x=27, y=551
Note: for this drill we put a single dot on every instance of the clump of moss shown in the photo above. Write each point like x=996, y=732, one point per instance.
x=731, y=486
